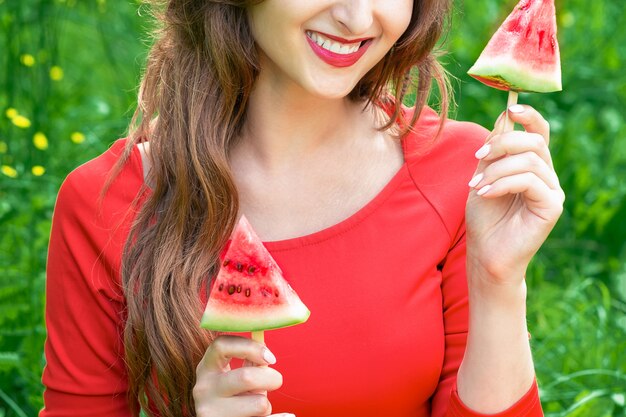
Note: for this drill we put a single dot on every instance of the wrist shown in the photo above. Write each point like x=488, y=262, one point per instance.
x=505, y=287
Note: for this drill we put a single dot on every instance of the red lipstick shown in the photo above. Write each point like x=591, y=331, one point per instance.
x=335, y=59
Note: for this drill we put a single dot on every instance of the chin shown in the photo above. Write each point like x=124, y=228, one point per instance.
x=331, y=90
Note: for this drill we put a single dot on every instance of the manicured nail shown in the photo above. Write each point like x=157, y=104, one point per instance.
x=477, y=178
x=269, y=356
x=483, y=190
x=483, y=151
x=516, y=108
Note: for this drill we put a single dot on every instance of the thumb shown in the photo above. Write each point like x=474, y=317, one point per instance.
x=498, y=126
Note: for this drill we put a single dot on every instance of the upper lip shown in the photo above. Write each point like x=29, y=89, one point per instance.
x=342, y=40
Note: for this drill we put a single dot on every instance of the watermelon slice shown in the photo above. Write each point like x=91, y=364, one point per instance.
x=250, y=293
x=523, y=54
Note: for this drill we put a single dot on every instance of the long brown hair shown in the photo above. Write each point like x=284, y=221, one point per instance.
x=191, y=106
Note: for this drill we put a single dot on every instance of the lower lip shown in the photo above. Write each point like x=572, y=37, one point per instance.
x=337, y=60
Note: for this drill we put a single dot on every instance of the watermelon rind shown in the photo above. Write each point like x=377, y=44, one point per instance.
x=244, y=320
x=501, y=73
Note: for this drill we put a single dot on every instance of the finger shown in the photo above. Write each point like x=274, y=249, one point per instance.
x=219, y=354
x=513, y=165
x=248, y=363
x=248, y=379
x=513, y=143
x=241, y=406
x=543, y=201
x=530, y=119
x=497, y=127
x=500, y=121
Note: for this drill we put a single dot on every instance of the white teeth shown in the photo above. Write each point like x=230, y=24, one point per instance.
x=333, y=46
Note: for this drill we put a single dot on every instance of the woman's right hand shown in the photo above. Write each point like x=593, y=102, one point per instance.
x=242, y=392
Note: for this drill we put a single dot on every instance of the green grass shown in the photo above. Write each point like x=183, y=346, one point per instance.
x=577, y=283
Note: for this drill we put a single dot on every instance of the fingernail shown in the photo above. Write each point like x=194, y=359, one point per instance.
x=269, y=356
x=516, y=108
x=483, y=190
x=477, y=178
x=483, y=151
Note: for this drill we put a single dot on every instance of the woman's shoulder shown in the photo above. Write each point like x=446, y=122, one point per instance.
x=95, y=171
x=435, y=150
x=83, y=192
x=90, y=223
x=430, y=141
x=441, y=162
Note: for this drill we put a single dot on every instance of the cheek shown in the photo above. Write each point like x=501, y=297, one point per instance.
x=407, y=16
x=275, y=24
x=266, y=30
x=397, y=16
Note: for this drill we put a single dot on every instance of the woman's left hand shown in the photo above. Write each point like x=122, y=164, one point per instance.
x=516, y=198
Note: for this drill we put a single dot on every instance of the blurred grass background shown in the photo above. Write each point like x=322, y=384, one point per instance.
x=68, y=76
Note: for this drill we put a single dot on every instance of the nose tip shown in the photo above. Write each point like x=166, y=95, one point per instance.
x=355, y=16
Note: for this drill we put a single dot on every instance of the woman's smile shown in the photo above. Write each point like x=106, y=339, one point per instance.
x=337, y=51
x=324, y=47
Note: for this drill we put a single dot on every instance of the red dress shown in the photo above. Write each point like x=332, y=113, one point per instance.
x=386, y=288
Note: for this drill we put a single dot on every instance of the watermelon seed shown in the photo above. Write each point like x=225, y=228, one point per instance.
x=276, y=293
x=247, y=292
x=251, y=269
x=226, y=262
x=231, y=290
x=238, y=288
x=239, y=266
x=221, y=287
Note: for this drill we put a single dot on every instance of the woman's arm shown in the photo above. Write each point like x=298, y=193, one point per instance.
x=85, y=374
x=515, y=203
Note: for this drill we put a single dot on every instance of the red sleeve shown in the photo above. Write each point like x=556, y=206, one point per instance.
x=85, y=373
x=452, y=159
x=446, y=401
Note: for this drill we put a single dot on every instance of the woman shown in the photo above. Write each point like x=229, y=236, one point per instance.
x=281, y=110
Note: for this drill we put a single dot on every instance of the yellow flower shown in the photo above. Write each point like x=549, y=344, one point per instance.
x=3, y=147
x=77, y=137
x=38, y=170
x=11, y=112
x=56, y=73
x=20, y=121
x=27, y=60
x=9, y=171
x=40, y=141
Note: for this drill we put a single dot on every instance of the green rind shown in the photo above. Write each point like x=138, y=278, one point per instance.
x=218, y=321
x=516, y=78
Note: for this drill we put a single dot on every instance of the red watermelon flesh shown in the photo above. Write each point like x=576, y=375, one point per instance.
x=250, y=292
x=523, y=54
